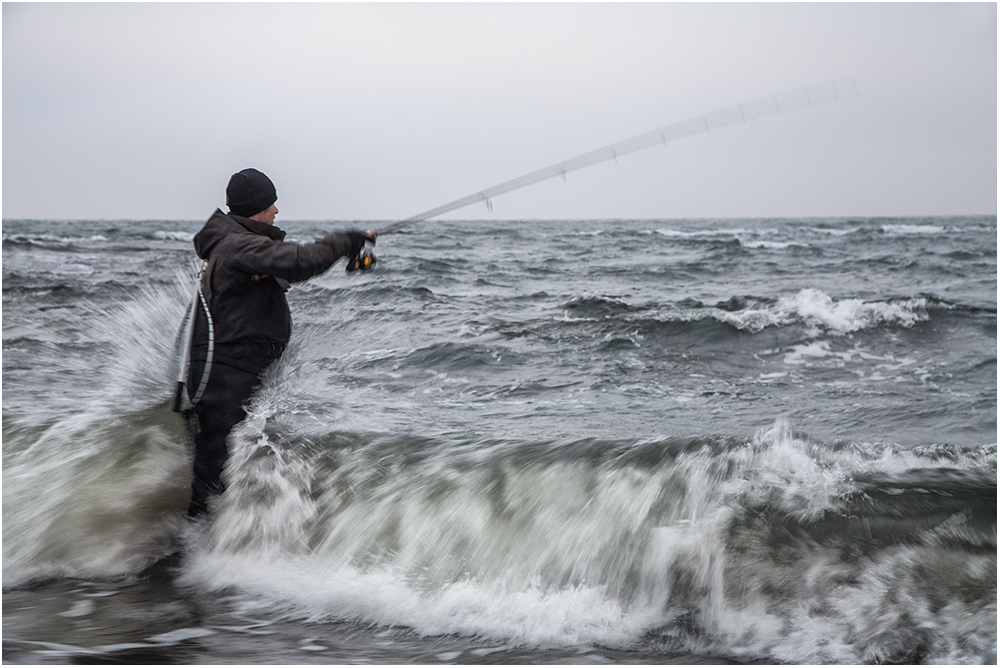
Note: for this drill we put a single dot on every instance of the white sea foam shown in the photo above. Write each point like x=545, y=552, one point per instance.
x=564, y=553
x=698, y=234
x=906, y=230
x=851, y=315
x=770, y=245
x=807, y=353
x=748, y=238
x=835, y=232
x=817, y=309
x=49, y=239
x=541, y=560
x=571, y=616
x=751, y=319
x=174, y=235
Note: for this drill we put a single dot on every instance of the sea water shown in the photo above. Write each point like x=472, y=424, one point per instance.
x=517, y=441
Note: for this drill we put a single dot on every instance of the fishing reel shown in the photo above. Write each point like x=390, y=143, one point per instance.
x=363, y=261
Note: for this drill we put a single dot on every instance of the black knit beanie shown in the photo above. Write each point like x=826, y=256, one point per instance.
x=249, y=192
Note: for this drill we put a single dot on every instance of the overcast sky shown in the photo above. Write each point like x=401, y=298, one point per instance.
x=381, y=111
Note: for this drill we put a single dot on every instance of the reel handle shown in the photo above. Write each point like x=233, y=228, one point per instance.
x=363, y=261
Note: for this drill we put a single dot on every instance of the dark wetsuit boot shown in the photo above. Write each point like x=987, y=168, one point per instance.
x=220, y=409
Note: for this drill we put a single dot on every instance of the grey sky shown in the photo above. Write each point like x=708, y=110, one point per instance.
x=380, y=111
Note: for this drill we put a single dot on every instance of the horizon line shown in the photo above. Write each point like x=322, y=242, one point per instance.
x=509, y=220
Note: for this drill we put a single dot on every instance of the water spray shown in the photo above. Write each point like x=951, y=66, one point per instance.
x=770, y=105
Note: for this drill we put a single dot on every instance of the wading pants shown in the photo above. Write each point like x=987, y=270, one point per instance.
x=220, y=409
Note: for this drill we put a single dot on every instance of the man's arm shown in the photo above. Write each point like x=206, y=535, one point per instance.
x=296, y=262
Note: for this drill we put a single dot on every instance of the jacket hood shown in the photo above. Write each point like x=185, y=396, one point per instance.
x=221, y=225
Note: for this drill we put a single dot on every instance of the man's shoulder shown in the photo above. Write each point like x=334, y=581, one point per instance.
x=238, y=242
x=256, y=227
x=227, y=233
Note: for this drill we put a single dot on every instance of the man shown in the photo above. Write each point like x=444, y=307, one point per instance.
x=243, y=324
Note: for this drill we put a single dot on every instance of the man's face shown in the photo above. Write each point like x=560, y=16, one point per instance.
x=266, y=216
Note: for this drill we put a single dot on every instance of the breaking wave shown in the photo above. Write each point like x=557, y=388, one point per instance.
x=810, y=307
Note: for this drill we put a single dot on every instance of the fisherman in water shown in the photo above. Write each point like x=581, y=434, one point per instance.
x=242, y=323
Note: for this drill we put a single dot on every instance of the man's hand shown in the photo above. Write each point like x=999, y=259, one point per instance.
x=358, y=258
x=357, y=240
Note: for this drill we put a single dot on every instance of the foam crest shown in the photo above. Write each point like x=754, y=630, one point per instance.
x=52, y=239
x=770, y=245
x=851, y=315
x=913, y=230
x=817, y=309
x=549, y=550
x=701, y=234
x=531, y=553
x=173, y=235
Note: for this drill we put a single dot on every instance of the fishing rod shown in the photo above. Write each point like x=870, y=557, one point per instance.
x=745, y=112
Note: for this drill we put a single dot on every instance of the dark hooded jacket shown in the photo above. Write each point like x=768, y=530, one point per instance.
x=250, y=267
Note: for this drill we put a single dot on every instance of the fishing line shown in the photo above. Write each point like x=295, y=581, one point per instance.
x=770, y=105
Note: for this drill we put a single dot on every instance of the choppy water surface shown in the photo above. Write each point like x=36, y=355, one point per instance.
x=516, y=442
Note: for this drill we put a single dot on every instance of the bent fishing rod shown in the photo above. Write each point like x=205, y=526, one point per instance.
x=745, y=112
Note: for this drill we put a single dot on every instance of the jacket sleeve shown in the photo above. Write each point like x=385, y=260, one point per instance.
x=290, y=261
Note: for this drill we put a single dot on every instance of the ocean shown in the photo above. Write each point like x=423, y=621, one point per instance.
x=566, y=441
